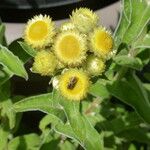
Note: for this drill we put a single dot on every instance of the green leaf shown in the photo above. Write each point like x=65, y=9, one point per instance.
x=140, y=17
x=135, y=16
x=81, y=126
x=132, y=147
x=120, y=124
x=128, y=61
x=144, y=56
x=44, y=103
x=136, y=134
x=5, y=75
x=66, y=130
x=7, y=110
x=6, y=105
x=12, y=62
x=25, y=142
x=48, y=119
x=147, y=86
x=2, y=35
x=53, y=144
x=53, y=104
x=99, y=89
x=124, y=22
x=67, y=146
x=147, y=76
x=17, y=50
x=29, y=50
x=143, y=43
x=4, y=133
x=132, y=92
x=6, y=118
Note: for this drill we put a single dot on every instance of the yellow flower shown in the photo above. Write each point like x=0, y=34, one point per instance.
x=70, y=47
x=39, y=31
x=94, y=65
x=67, y=26
x=74, y=84
x=44, y=63
x=101, y=42
x=84, y=19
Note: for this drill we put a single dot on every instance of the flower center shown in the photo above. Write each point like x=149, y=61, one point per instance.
x=69, y=47
x=38, y=30
x=104, y=41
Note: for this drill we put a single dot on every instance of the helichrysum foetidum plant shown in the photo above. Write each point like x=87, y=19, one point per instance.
x=73, y=55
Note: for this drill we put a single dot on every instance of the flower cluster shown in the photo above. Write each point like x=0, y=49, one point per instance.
x=76, y=51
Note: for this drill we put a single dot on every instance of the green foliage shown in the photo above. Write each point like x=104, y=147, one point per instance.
x=12, y=62
x=128, y=61
x=115, y=114
x=28, y=49
x=29, y=141
x=53, y=105
x=131, y=91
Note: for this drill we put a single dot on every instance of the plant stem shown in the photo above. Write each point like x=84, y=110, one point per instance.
x=120, y=73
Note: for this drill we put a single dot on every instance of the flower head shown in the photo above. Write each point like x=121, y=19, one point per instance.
x=73, y=84
x=67, y=26
x=94, y=65
x=101, y=42
x=84, y=19
x=39, y=31
x=44, y=63
x=70, y=47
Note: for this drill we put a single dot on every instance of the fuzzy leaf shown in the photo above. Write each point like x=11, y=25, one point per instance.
x=139, y=19
x=134, y=63
x=144, y=42
x=4, y=132
x=17, y=50
x=29, y=141
x=124, y=22
x=81, y=126
x=47, y=120
x=132, y=92
x=44, y=103
x=28, y=49
x=136, y=134
x=7, y=110
x=12, y=62
x=66, y=130
x=50, y=104
x=120, y=124
x=99, y=89
x=134, y=18
x=5, y=75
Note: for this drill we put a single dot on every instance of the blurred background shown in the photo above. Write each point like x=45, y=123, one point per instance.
x=15, y=13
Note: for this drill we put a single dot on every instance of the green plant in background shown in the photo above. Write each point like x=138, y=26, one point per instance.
x=98, y=97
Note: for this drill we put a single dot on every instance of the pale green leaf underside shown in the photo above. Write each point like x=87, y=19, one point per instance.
x=53, y=104
x=42, y=103
x=139, y=19
x=12, y=62
x=144, y=42
x=128, y=61
x=135, y=16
